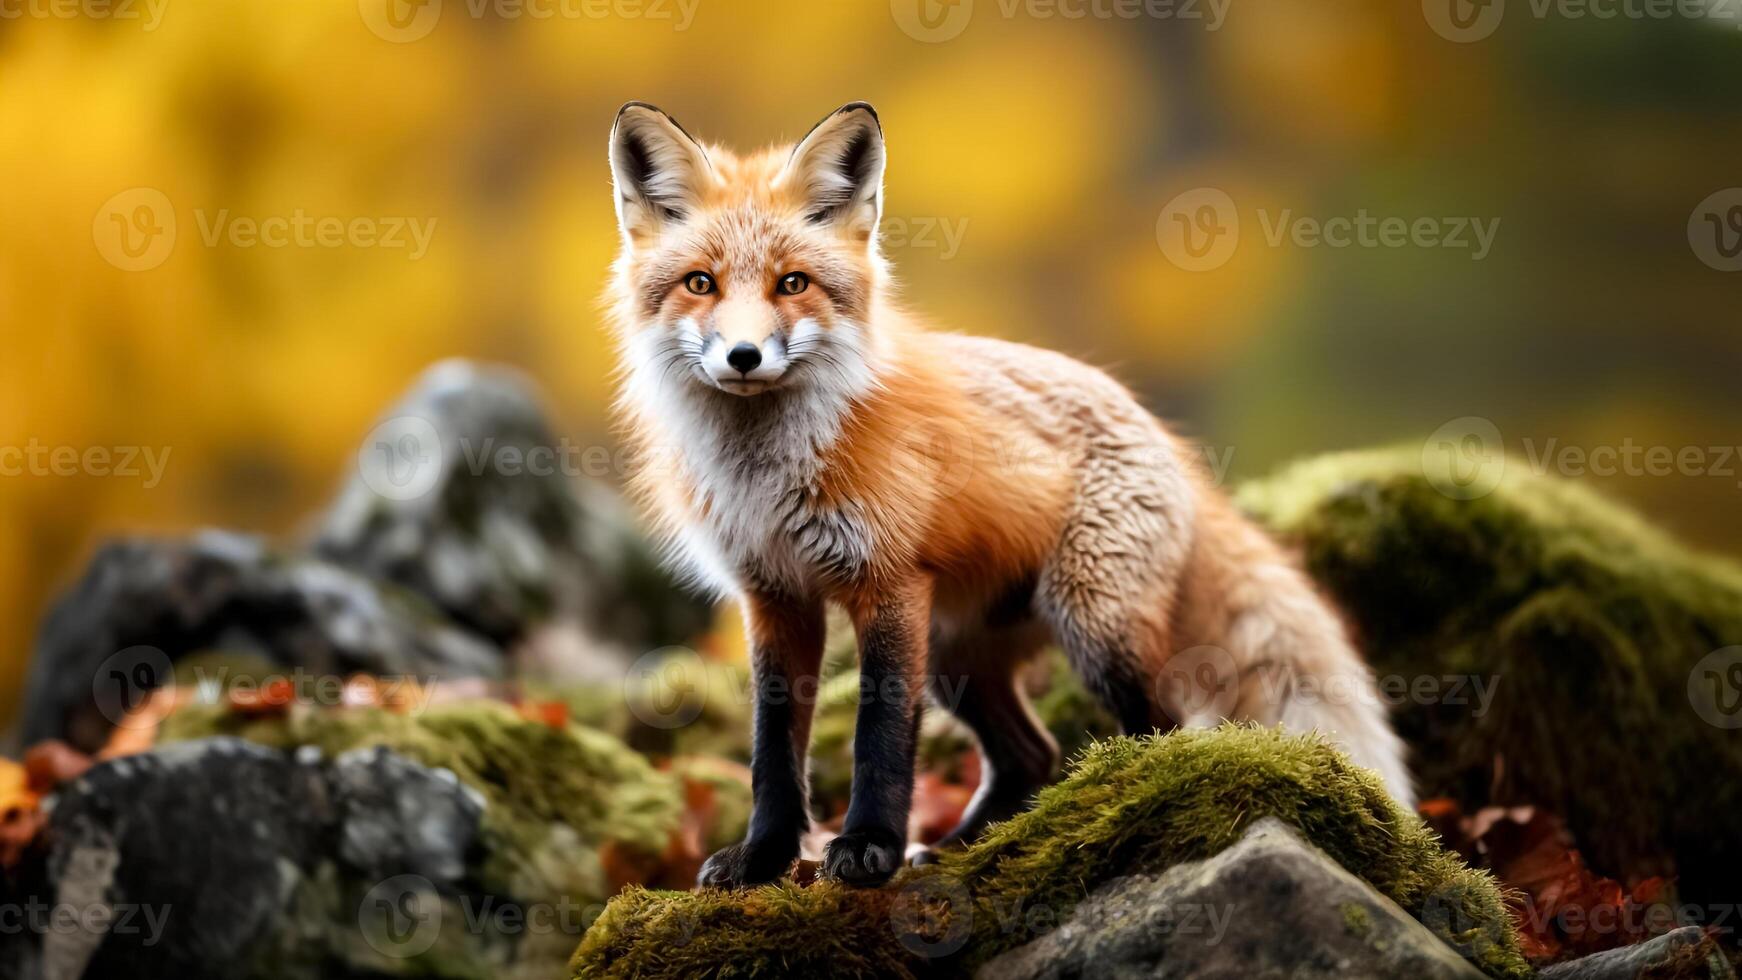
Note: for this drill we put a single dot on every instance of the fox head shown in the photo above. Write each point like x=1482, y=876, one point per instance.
x=747, y=274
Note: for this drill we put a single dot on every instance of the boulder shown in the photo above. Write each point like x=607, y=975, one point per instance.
x=464, y=841
x=1685, y=954
x=1270, y=906
x=1127, y=806
x=219, y=858
x=1543, y=646
x=464, y=495
x=145, y=605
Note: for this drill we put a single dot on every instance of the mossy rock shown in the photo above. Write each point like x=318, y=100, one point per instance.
x=555, y=797
x=1587, y=623
x=1127, y=806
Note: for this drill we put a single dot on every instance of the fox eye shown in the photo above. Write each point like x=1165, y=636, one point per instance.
x=699, y=283
x=794, y=283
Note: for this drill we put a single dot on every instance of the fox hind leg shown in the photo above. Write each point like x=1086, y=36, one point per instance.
x=978, y=678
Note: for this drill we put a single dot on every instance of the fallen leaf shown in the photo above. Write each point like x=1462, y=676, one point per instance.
x=51, y=763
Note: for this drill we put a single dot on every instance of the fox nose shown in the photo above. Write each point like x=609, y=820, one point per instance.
x=744, y=357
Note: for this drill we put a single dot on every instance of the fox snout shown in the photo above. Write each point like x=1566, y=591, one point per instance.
x=744, y=366
x=742, y=346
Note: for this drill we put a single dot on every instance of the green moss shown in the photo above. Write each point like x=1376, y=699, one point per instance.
x=553, y=796
x=1127, y=806
x=1356, y=919
x=1585, y=623
x=782, y=930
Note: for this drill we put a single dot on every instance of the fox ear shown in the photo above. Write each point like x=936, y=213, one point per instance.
x=838, y=170
x=658, y=170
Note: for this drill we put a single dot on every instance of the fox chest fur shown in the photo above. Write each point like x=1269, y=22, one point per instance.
x=760, y=512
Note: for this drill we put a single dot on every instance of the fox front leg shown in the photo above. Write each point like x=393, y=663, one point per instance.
x=892, y=628
x=786, y=648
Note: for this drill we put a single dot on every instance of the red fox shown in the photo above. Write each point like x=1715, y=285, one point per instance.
x=964, y=500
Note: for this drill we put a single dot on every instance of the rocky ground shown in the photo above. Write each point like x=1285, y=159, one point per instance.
x=425, y=739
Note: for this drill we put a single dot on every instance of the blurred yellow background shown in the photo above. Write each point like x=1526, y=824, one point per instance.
x=1032, y=158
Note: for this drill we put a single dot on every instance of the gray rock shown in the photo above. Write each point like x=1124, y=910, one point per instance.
x=465, y=496
x=219, y=858
x=1269, y=906
x=144, y=604
x=1685, y=954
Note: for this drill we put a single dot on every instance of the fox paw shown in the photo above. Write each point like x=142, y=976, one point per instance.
x=864, y=858
x=743, y=864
